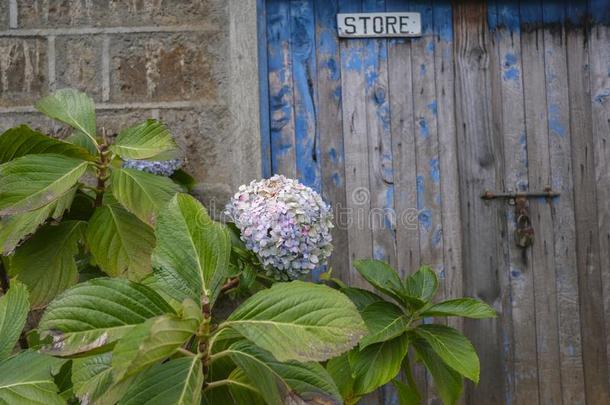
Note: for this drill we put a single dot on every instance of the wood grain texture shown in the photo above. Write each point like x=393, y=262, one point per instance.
x=355, y=138
x=585, y=204
x=521, y=275
x=281, y=89
x=479, y=152
x=330, y=129
x=539, y=176
x=599, y=67
x=562, y=209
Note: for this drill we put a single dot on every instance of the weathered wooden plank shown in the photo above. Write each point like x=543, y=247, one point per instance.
x=586, y=212
x=302, y=42
x=599, y=62
x=562, y=208
x=281, y=97
x=356, y=147
x=425, y=110
x=480, y=166
x=539, y=175
x=404, y=162
x=403, y=149
x=447, y=150
x=263, y=81
x=330, y=128
x=381, y=180
x=525, y=366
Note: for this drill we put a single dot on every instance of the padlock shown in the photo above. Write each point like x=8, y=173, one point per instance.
x=524, y=234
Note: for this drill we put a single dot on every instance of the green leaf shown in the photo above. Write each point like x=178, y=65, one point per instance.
x=46, y=263
x=377, y=364
x=27, y=378
x=78, y=138
x=154, y=340
x=381, y=276
x=407, y=395
x=14, y=307
x=361, y=298
x=466, y=307
x=242, y=390
x=421, y=286
x=33, y=181
x=384, y=321
x=341, y=373
x=187, y=181
x=143, y=194
x=23, y=140
x=276, y=380
x=92, y=376
x=448, y=382
x=120, y=243
x=71, y=107
x=148, y=140
x=192, y=252
x=176, y=382
x=16, y=228
x=299, y=321
x=453, y=348
x=97, y=313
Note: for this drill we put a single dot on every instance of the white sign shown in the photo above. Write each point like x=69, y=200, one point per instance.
x=367, y=25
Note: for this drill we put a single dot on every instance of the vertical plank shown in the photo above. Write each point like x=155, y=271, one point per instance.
x=381, y=181
x=562, y=208
x=447, y=150
x=403, y=149
x=479, y=150
x=302, y=42
x=356, y=147
x=330, y=129
x=539, y=176
x=263, y=80
x=281, y=97
x=425, y=110
x=515, y=172
x=586, y=213
x=599, y=61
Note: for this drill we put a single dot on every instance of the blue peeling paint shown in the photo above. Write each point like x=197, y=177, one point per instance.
x=443, y=24
x=511, y=74
x=423, y=128
x=435, y=171
x=430, y=47
x=555, y=125
x=379, y=253
x=422, y=70
x=433, y=107
x=337, y=182
x=354, y=59
x=437, y=236
x=508, y=15
x=421, y=188
x=425, y=219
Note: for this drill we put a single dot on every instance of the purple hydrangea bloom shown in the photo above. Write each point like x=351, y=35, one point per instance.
x=285, y=223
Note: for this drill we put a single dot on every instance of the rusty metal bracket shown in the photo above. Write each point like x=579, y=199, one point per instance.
x=524, y=231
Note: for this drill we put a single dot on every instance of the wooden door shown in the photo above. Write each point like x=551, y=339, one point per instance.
x=403, y=136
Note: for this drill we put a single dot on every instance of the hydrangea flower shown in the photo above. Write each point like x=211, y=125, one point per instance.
x=285, y=223
x=159, y=167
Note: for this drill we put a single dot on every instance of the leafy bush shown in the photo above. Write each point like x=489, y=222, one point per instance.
x=400, y=323
x=86, y=208
x=151, y=333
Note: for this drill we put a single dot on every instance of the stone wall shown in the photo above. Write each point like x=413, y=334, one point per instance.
x=166, y=59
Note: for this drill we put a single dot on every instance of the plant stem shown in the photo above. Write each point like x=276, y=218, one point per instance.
x=229, y=285
x=102, y=171
x=4, y=280
x=215, y=384
x=185, y=352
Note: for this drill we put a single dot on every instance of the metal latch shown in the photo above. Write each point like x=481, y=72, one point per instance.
x=524, y=232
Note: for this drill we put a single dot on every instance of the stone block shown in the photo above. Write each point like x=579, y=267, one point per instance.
x=23, y=70
x=79, y=64
x=116, y=13
x=167, y=67
x=201, y=134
